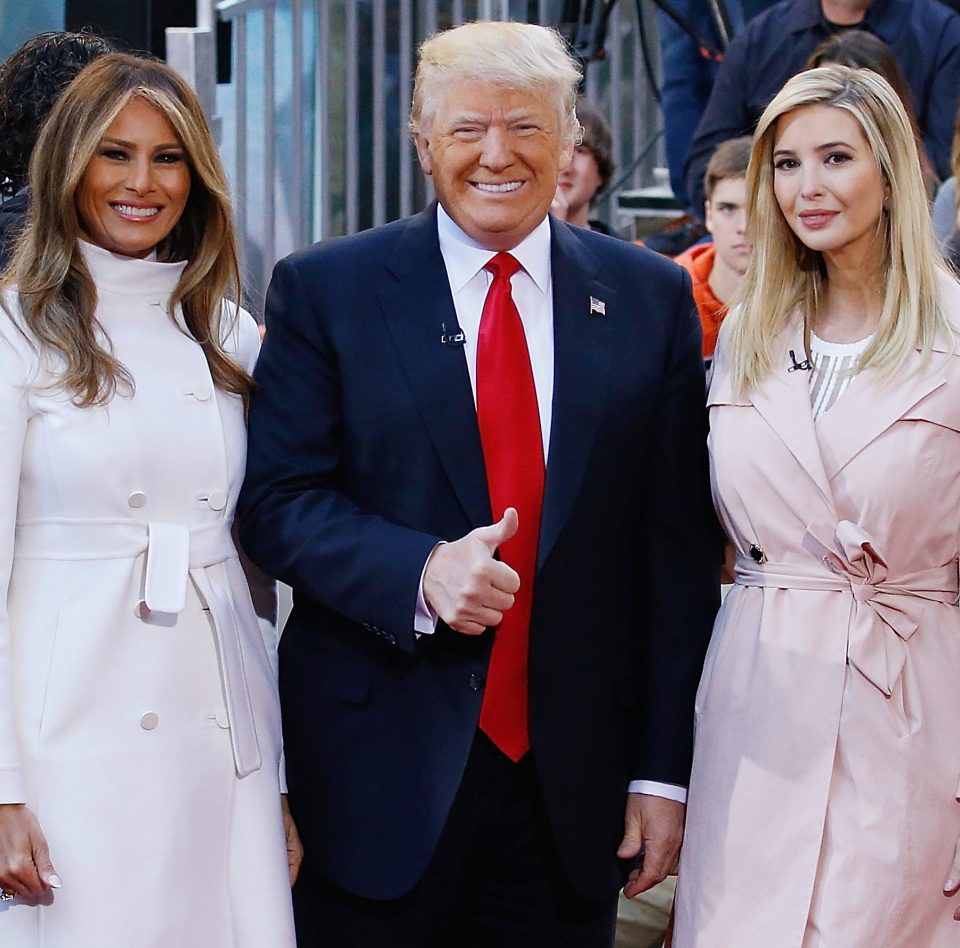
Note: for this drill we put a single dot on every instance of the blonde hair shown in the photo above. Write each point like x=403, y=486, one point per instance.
x=785, y=275
x=513, y=55
x=56, y=293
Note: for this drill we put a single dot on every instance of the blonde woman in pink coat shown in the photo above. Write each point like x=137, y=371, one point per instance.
x=823, y=807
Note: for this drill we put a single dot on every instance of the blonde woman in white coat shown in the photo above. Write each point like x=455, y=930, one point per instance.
x=140, y=797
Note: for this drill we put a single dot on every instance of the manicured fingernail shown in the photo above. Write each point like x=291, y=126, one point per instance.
x=54, y=881
x=949, y=885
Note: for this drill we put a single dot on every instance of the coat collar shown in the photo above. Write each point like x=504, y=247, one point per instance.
x=783, y=399
x=871, y=405
x=867, y=408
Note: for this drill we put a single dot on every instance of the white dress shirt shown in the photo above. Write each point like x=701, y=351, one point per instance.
x=532, y=289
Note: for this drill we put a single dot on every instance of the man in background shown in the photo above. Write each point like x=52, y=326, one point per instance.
x=717, y=268
x=924, y=35
x=589, y=172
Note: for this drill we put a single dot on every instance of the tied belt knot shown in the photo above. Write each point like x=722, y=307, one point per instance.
x=886, y=611
x=175, y=554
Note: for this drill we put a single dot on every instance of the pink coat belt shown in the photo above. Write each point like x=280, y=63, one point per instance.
x=886, y=610
x=175, y=552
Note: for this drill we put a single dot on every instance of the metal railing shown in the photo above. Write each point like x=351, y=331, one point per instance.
x=313, y=125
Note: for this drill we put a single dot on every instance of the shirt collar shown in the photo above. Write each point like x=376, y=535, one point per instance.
x=806, y=14
x=465, y=258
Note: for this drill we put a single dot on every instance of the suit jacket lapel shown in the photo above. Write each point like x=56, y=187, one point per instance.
x=783, y=399
x=582, y=350
x=416, y=307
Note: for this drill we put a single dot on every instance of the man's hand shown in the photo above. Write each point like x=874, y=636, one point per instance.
x=655, y=825
x=294, y=846
x=25, y=867
x=465, y=586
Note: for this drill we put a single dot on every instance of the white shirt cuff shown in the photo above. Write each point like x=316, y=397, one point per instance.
x=424, y=619
x=671, y=791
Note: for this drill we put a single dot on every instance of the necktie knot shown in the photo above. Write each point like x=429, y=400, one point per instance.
x=502, y=266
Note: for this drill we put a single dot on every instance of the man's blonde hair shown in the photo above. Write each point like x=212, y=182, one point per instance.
x=513, y=55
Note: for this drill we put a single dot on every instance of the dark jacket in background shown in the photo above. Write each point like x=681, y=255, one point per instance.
x=923, y=34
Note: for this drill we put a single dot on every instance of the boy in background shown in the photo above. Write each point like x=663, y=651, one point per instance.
x=717, y=268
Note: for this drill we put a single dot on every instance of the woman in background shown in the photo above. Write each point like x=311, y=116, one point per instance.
x=859, y=49
x=823, y=804
x=31, y=80
x=140, y=800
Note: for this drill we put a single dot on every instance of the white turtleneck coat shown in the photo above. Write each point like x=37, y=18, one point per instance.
x=139, y=718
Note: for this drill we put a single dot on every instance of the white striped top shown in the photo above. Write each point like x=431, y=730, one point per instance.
x=834, y=368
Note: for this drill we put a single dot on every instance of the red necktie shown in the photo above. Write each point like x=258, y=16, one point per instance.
x=513, y=454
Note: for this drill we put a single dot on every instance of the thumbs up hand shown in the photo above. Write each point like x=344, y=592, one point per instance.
x=465, y=585
x=501, y=531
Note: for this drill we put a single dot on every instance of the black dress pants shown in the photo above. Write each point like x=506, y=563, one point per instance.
x=494, y=881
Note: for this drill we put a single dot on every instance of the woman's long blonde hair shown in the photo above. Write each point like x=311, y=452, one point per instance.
x=785, y=275
x=57, y=296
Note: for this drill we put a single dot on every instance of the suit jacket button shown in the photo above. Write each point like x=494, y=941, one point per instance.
x=476, y=682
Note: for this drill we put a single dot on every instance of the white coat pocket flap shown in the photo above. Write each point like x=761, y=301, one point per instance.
x=168, y=564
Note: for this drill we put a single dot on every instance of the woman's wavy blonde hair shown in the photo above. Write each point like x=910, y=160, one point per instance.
x=785, y=275
x=56, y=294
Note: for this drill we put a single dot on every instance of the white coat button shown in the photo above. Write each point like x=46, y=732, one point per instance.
x=150, y=720
x=202, y=393
x=222, y=720
x=217, y=500
x=137, y=498
x=140, y=610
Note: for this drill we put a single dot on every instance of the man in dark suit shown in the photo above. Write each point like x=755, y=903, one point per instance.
x=477, y=454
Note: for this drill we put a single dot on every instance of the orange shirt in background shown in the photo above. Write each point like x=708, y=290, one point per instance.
x=698, y=262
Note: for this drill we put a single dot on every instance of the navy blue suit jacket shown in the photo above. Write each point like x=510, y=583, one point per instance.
x=364, y=453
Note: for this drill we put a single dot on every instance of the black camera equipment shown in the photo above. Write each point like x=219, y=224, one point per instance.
x=583, y=23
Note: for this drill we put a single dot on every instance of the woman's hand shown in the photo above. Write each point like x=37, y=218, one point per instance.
x=952, y=884
x=294, y=846
x=25, y=866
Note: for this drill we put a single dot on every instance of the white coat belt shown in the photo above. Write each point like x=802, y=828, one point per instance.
x=886, y=610
x=175, y=553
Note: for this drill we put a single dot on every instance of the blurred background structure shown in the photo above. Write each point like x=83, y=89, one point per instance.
x=309, y=99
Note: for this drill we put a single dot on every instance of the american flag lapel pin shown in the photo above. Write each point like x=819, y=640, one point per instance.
x=597, y=307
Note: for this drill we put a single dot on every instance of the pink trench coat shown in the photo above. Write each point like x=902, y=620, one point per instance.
x=823, y=806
